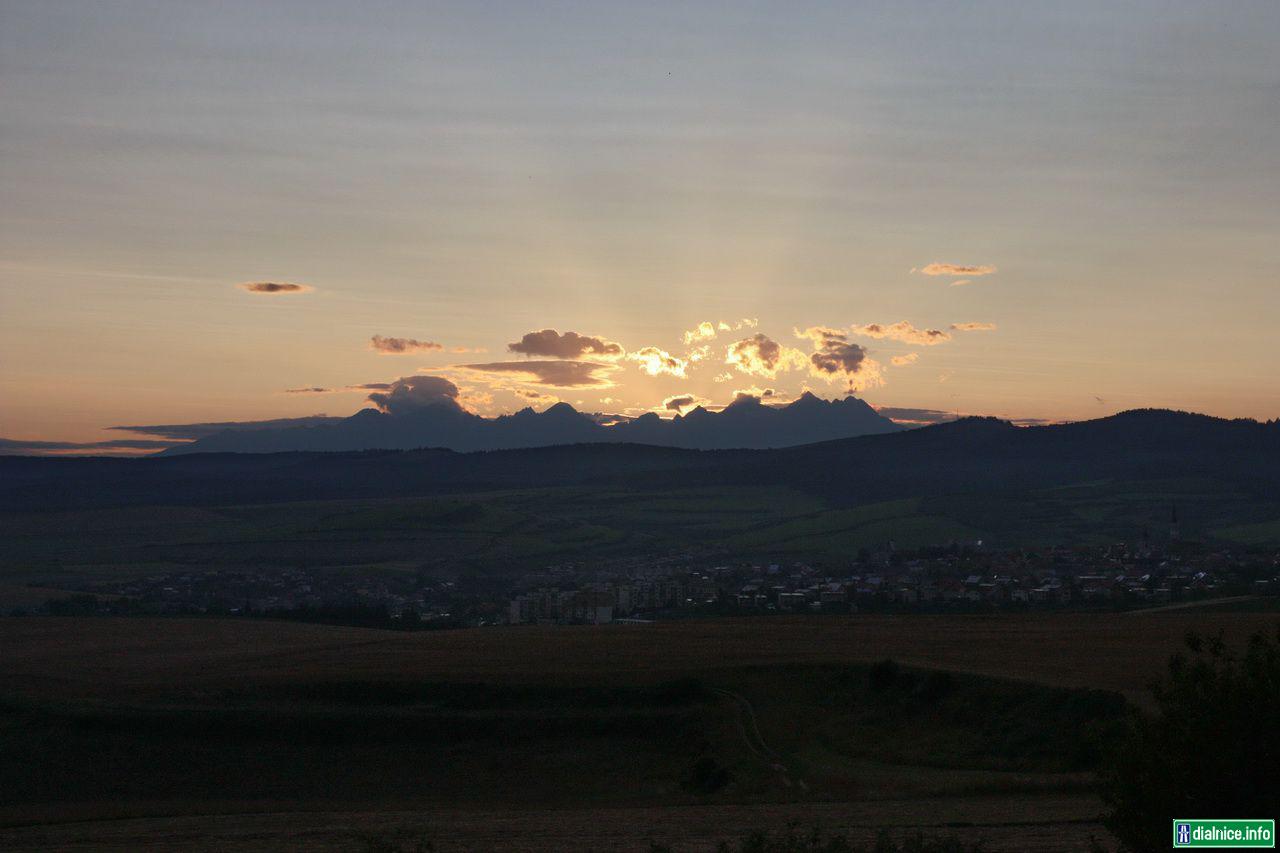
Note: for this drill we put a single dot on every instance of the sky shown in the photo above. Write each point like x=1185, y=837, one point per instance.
x=1031, y=210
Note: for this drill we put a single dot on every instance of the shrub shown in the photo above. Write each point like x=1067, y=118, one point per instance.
x=883, y=675
x=706, y=776
x=1211, y=749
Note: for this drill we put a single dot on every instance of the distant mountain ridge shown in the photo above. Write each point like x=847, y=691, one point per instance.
x=747, y=423
x=971, y=456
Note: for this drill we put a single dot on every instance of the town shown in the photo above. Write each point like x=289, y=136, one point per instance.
x=957, y=577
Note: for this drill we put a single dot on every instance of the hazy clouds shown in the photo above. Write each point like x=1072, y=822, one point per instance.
x=903, y=332
x=402, y=346
x=558, y=374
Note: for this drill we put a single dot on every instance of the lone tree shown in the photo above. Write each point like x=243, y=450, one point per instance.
x=1211, y=751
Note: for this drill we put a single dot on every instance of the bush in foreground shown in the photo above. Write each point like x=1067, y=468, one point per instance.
x=1212, y=750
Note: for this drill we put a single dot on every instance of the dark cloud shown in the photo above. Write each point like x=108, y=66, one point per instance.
x=681, y=402
x=760, y=355
x=317, y=389
x=18, y=447
x=838, y=357
x=558, y=374
x=274, y=287
x=835, y=357
x=916, y=416
x=414, y=392
x=570, y=345
x=756, y=354
x=675, y=404
x=757, y=391
x=402, y=346
x=191, y=432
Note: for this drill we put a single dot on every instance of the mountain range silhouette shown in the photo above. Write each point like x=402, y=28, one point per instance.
x=747, y=422
x=971, y=456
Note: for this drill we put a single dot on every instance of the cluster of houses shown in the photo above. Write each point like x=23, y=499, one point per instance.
x=676, y=585
x=1063, y=577
x=258, y=591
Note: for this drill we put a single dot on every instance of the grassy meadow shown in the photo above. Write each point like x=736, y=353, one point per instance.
x=506, y=531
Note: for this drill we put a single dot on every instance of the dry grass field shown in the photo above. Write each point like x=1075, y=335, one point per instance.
x=211, y=688
x=1004, y=823
x=119, y=658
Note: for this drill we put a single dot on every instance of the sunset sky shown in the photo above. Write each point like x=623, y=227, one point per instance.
x=1032, y=210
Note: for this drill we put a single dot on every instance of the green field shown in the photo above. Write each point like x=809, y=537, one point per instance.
x=515, y=530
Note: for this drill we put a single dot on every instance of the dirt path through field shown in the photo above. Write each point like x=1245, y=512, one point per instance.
x=749, y=727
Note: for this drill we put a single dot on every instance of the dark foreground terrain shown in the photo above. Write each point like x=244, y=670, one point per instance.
x=209, y=734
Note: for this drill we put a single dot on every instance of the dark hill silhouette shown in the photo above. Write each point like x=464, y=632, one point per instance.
x=746, y=423
x=973, y=455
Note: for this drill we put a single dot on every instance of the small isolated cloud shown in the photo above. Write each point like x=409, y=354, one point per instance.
x=904, y=360
x=274, y=288
x=414, y=392
x=557, y=374
x=571, y=345
x=760, y=355
x=402, y=346
x=681, y=403
x=655, y=361
x=312, y=390
x=904, y=332
x=961, y=282
x=974, y=327
x=963, y=270
x=698, y=354
x=835, y=358
x=704, y=331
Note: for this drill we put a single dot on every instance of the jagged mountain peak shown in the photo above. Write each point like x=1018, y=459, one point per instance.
x=747, y=422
